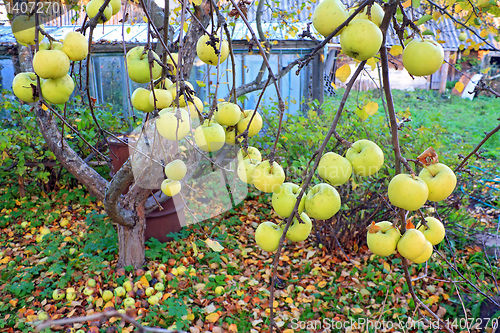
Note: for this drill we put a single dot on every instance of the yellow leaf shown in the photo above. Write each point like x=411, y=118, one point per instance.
x=407, y=4
x=485, y=70
x=145, y=19
x=288, y=300
x=44, y=107
x=459, y=86
x=356, y=310
x=322, y=284
x=343, y=72
x=186, y=26
x=197, y=2
x=333, y=85
x=372, y=62
x=484, y=33
x=213, y=317
x=396, y=50
x=387, y=267
x=371, y=108
x=436, y=15
x=144, y=281
x=214, y=245
x=195, y=249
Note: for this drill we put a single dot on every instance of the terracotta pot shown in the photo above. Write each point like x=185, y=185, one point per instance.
x=159, y=223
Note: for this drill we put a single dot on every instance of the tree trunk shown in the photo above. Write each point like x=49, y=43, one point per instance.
x=131, y=244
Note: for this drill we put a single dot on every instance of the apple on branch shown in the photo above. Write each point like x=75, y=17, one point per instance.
x=419, y=49
x=92, y=9
x=246, y=169
x=376, y=13
x=267, y=236
x=413, y=242
x=210, y=136
x=407, y=191
x=440, y=180
x=249, y=152
x=160, y=98
x=176, y=170
x=267, y=178
x=299, y=230
x=179, y=86
x=51, y=64
x=255, y=126
x=361, y=39
x=208, y=51
x=328, y=15
x=24, y=87
x=227, y=114
x=425, y=255
x=138, y=65
x=434, y=232
x=75, y=46
x=58, y=91
x=334, y=168
x=140, y=100
x=366, y=157
x=322, y=201
x=173, y=123
x=382, y=238
x=23, y=29
x=284, y=199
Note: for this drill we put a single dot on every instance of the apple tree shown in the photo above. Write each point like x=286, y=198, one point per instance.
x=173, y=113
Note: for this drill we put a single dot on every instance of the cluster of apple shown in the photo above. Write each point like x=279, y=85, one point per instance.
x=410, y=192
x=148, y=288
x=51, y=63
x=361, y=39
x=113, y=7
x=322, y=201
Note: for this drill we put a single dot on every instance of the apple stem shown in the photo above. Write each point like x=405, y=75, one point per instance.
x=425, y=166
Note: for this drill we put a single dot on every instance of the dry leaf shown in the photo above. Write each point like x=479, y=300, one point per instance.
x=428, y=157
x=373, y=228
x=343, y=72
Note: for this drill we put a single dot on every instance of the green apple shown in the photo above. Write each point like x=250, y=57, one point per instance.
x=75, y=46
x=173, y=70
x=91, y=283
x=366, y=157
x=361, y=39
x=177, y=86
x=23, y=29
x=299, y=230
x=376, y=13
x=50, y=46
x=227, y=114
x=107, y=295
x=116, y=5
x=176, y=170
x=42, y=316
x=230, y=132
x=138, y=65
x=58, y=294
x=194, y=106
x=171, y=127
x=161, y=98
x=171, y=187
x=434, y=232
x=267, y=178
x=58, y=91
x=427, y=49
x=24, y=87
x=210, y=55
x=267, y=236
x=425, y=255
x=210, y=136
x=322, y=201
x=24, y=225
x=246, y=169
x=412, y=244
x=140, y=100
x=159, y=286
x=284, y=199
x=382, y=238
x=164, y=84
x=440, y=180
x=70, y=294
x=128, y=285
x=129, y=303
x=120, y=292
x=462, y=36
x=219, y=290
x=250, y=152
x=149, y=291
x=51, y=64
x=92, y=8
x=153, y=300
x=407, y=192
x=88, y=291
x=255, y=126
x=334, y=168
x=328, y=15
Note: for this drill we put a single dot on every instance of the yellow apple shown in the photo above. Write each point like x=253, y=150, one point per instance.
x=361, y=39
x=425, y=255
x=434, y=231
x=416, y=51
x=24, y=87
x=255, y=126
x=70, y=294
x=140, y=100
x=210, y=55
x=284, y=199
x=176, y=170
x=366, y=157
x=107, y=295
x=299, y=230
x=116, y=5
x=23, y=29
x=249, y=152
x=138, y=65
x=322, y=201
x=334, y=168
x=50, y=46
x=412, y=244
x=267, y=236
x=162, y=98
x=227, y=114
x=51, y=64
x=382, y=238
x=173, y=71
x=170, y=187
x=194, y=106
x=210, y=136
x=328, y=15
x=462, y=36
x=376, y=13
x=407, y=192
x=440, y=180
x=173, y=123
x=58, y=91
x=92, y=8
x=75, y=46
x=176, y=86
x=245, y=169
x=230, y=135
x=267, y=178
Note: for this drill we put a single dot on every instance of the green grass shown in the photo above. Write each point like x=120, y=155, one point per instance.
x=457, y=122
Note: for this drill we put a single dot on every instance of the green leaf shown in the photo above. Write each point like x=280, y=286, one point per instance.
x=424, y=19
